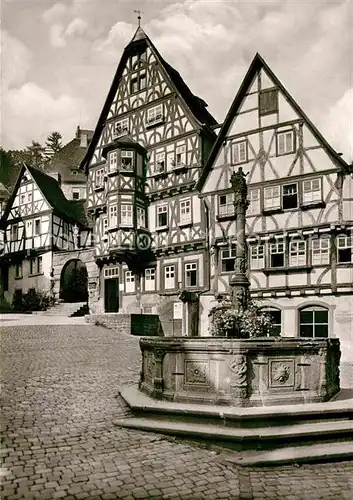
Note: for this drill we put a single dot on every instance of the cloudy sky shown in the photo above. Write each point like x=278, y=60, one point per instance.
x=58, y=58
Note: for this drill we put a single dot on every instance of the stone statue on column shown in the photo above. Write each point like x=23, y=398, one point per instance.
x=75, y=236
x=239, y=284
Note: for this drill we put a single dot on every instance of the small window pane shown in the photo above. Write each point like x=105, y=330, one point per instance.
x=321, y=316
x=321, y=330
x=306, y=317
x=306, y=330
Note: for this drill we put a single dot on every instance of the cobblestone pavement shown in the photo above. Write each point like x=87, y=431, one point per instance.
x=59, y=397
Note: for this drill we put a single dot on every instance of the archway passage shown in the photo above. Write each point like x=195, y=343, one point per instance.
x=74, y=282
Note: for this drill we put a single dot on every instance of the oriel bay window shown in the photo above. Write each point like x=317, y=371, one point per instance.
x=190, y=274
x=129, y=282
x=290, y=196
x=312, y=191
x=277, y=254
x=226, y=205
x=126, y=215
x=285, y=142
x=127, y=161
x=313, y=322
x=99, y=178
x=257, y=257
x=320, y=251
x=169, y=277
x=297, y=253
x=162, y=216
x=150, y=279
x=141, y=217
x=185, y=211
x=240, y=151
x=227, y=260
x=345, y=249
x=113, y=161
x=113, y=216
x=272, y=198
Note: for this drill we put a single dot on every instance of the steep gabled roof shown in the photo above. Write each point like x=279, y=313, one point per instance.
x=68, y=159
x=257, y=64
x=196, y=105
x=52, y=193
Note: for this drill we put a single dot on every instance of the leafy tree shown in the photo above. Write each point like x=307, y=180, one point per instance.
x=36, y=152
x=54, y=141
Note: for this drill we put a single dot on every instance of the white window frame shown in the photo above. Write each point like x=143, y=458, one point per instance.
x=104, y=225
x=231, y=252
x=29, y=197
x=314, y=324
x=297, y=253
x=240, y=151
x=150, y=279
x=111, y=272
x=19, y=270
x=287, y=195
x=35, y=233
x=113, y=161
x=312, y=192
x=320, y=251
x=278, y=326
x=285, y=142
x=127, y=160
x=22, y=199
x=257, y=256
x=169, y=276
x=129, y=282
x=126, y=214
x=155, y=114
x=185, y=209
x=161, y=209
x=141, y=217
x=277, y=248
x=113, y=216
x=160, y=163
x=14, y=232
x=226, y=209
x=272, y=198
x=344, y=242
x=180, y=157
x=99, y=178
x=76, y=191
x=36, y=266
x=254, y=207
x=190, y=267
x=29, y=228
x=122, y=127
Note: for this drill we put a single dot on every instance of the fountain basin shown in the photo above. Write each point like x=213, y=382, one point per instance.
x=240, y=372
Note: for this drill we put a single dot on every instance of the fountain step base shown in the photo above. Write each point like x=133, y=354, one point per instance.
x=262, y=435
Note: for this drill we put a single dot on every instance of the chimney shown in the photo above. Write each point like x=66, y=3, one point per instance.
x=84, y=141
x=78, y=132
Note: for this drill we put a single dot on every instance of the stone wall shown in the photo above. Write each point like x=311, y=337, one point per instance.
x=129, y=324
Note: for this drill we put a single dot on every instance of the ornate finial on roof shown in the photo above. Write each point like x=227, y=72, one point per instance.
x=139, y=16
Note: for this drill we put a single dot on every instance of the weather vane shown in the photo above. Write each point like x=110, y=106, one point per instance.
x=139, y=16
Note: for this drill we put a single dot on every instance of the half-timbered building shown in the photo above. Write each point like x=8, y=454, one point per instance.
x=299, y=221
x=38, y=220
x=146, y=155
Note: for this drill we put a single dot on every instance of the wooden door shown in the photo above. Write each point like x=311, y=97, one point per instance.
x=111, y=295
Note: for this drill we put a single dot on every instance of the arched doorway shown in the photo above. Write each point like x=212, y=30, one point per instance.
x=74, y=282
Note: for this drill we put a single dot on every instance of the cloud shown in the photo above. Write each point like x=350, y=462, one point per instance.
x=60, y=26
x=15, y=60
x=111, y=46
x=338, y=125
x=57, y=11
x=31, y=112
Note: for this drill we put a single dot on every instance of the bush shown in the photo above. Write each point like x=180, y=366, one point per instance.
x=227, y=322
x=33, y=300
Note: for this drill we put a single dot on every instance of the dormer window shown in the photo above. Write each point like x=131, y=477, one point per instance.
x=268, y=102
x=122, y=127
x=155, y=115
x=285, y=142
x=240, y=152
x=127, y=161
x=113, y=161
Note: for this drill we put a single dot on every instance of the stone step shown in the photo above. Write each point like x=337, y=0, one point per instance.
x=321, y=452
x=341, y=408
x=259, y=437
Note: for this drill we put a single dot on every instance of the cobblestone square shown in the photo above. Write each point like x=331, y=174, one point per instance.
x=59, y=397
